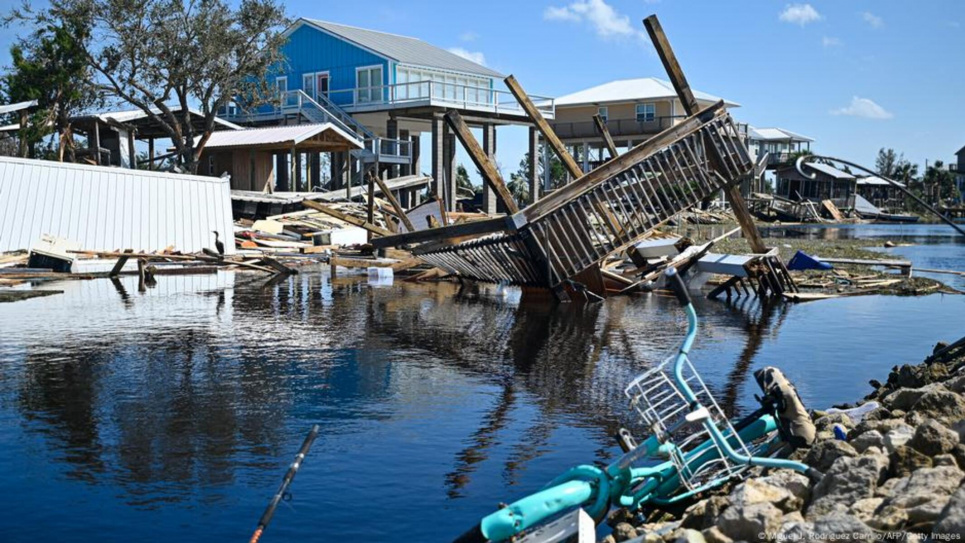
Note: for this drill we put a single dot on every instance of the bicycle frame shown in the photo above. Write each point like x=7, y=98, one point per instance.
x=595, y=489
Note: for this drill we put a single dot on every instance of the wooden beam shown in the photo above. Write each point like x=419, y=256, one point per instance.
x=689, y=101
x=489, y=172
x=534, y=115
x=621, y=163
x=605, y=132
x=355, y=221
x=474, y=228
x=399, y=211
x=371, y=197
x=120, y=264
x=669, y=60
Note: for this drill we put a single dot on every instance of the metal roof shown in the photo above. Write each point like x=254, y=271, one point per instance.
x=875, y=180
x=132, y=115
x=10, y=108
x=106, y=208
x=829, y=170
x=626, y=90
x=402, y=48
x=776, y=134
x=275, y=135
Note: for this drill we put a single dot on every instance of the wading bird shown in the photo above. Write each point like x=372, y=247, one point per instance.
x=217, y=243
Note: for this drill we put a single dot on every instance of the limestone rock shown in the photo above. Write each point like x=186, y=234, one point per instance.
x=944, y=460
x=842, y=524
x=941, y=404
x=871, y=438
x=959, y=453
x=827, y=422
x=905, y=460
x=898, y=436
x=864, y=509
x=932, y=438
x=714, y=535
x=704, y=513
x=823, y=453
x=920, y=497
x=848, y=480
x=904, y=398
x=747, y=522
x=624, y=531
x=690, y=536
x=951, y=520
x=755, y=491
x=792, y=481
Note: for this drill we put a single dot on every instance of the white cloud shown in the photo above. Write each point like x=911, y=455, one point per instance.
x=863, y=107
x=474, y=56
x=468, y=36
x=873, y=20
x=800, y=14
x=605, y=21
x=828, y=41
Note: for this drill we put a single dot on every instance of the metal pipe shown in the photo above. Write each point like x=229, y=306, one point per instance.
x=803, y=160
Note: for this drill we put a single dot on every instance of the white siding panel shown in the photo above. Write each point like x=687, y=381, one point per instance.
x=111, y=208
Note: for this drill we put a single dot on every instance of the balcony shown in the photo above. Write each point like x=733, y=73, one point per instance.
x=619, y=128
x=436, y=94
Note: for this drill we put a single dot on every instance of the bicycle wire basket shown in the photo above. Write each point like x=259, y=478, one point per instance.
x=662, y=407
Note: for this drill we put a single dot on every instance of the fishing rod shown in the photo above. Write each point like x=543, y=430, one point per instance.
x=803, y=161
x=286, y=481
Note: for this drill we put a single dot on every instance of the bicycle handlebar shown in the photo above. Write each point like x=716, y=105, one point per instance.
x=677, y=285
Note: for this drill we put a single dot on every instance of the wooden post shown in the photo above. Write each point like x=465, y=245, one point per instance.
x=605, y=132
x=438, y=164
x=371, y=202
x=130, y=149
x=21, y=131
x=315, y=170
x=533, y=164
x=489, y=203
x=120, y=264
x=97, y=143
x=689, y=101
x=489, y=172
x=395, y=204
x=548, y=135
x=150, y=153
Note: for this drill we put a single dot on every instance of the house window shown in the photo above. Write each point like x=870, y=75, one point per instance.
x=308, y=84
x=646, y=113
x=281, y=85
x=604, y=113
x=368, y=84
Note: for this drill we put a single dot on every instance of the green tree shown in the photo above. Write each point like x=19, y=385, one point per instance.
x=887, y=161
x=558, y=176
x=194, y=53
x=464, y=186
x=938, y=183
x=50, y=66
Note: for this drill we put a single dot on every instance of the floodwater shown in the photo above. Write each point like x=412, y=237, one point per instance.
x=174, y=413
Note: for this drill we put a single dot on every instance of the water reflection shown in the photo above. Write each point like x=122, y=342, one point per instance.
x=183, y=403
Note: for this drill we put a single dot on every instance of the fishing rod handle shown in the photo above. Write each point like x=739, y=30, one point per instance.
x=677, y=285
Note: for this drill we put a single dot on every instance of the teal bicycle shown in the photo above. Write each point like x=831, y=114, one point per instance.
x=692, y=446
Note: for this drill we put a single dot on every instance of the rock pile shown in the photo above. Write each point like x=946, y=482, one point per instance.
x=900, y=475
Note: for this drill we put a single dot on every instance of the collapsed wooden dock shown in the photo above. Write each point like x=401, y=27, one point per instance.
x=561, y=240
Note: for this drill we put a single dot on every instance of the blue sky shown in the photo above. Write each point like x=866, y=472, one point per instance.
x=855, y=76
